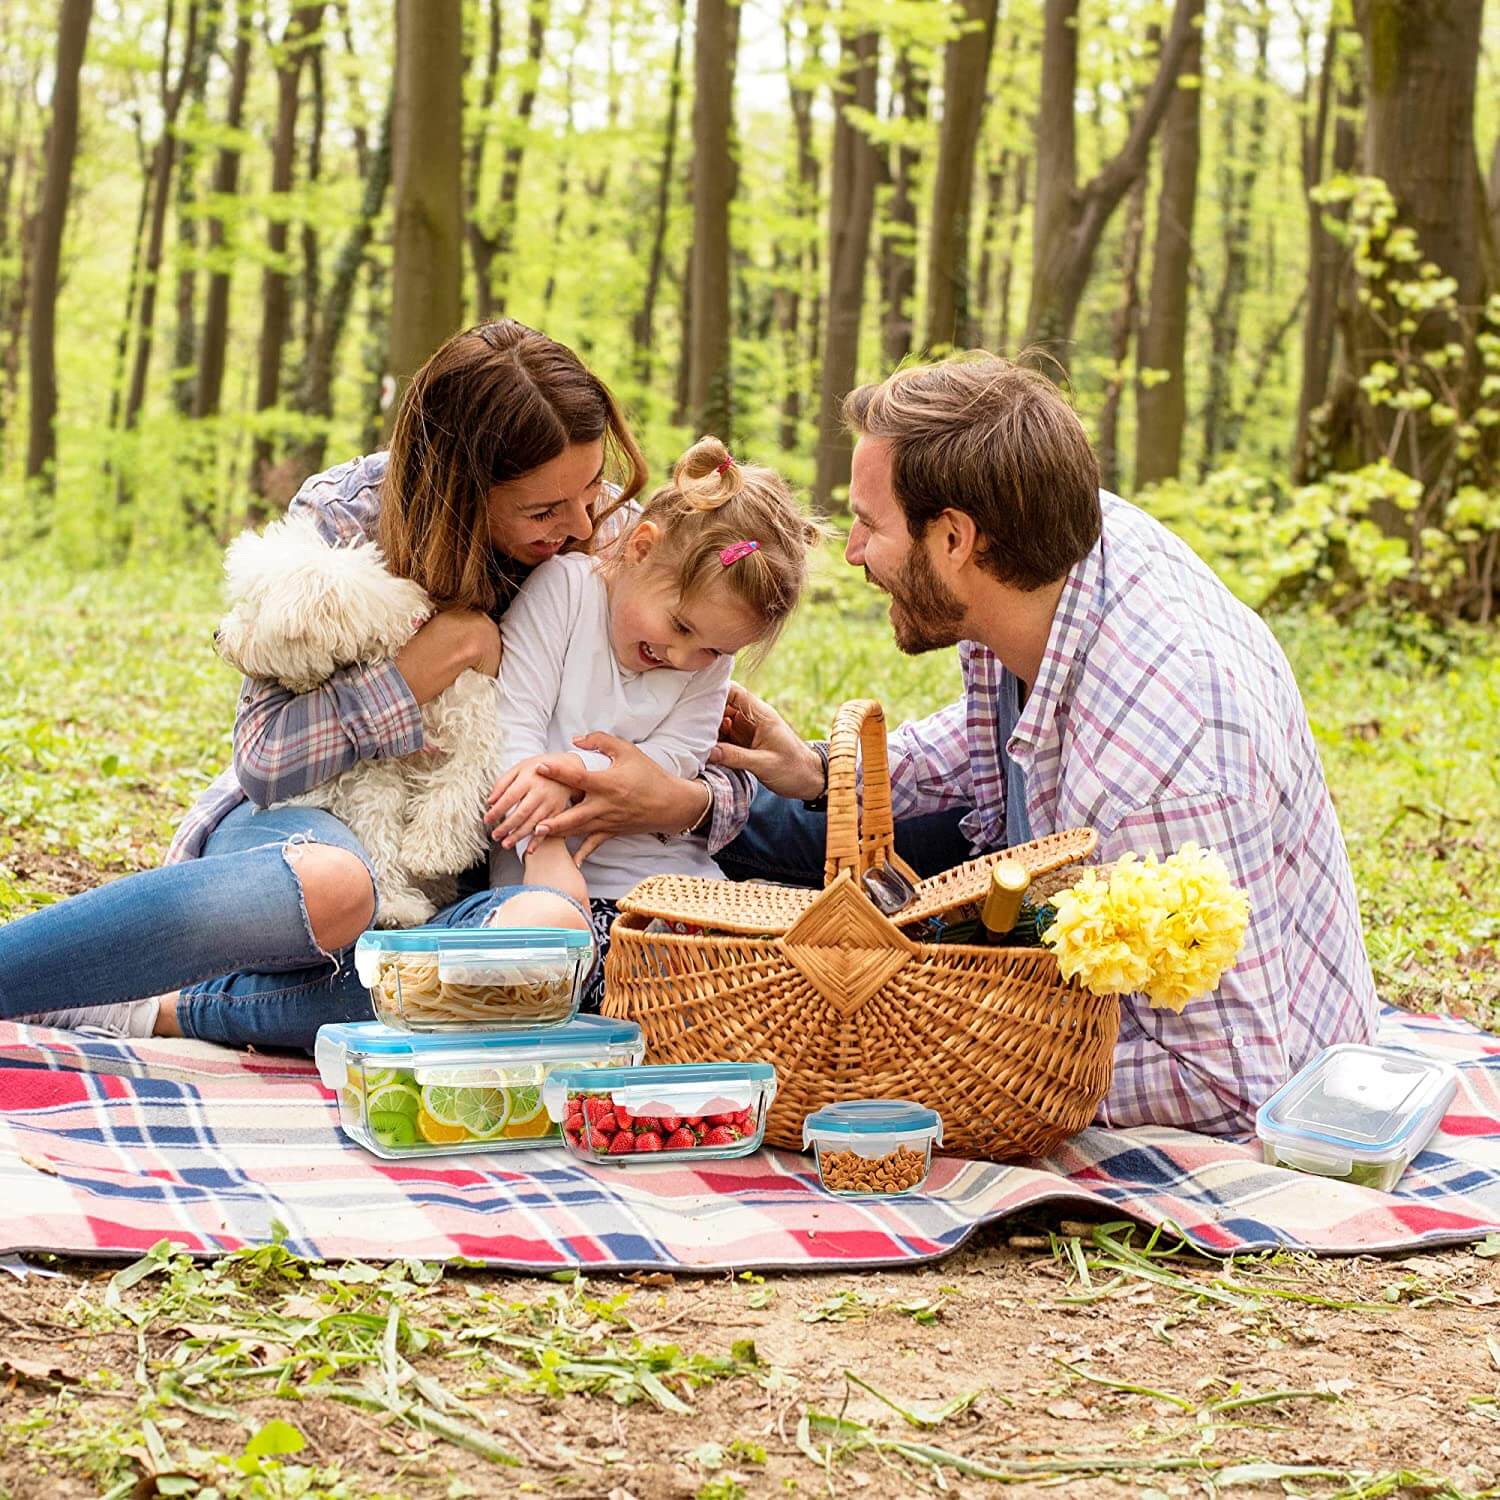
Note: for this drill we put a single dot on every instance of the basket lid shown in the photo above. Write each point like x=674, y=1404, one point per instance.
x=863, y=1118
x=747, y=906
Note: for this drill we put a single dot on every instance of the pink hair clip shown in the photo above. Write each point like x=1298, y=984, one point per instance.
x=726, y=466
x=735, y=551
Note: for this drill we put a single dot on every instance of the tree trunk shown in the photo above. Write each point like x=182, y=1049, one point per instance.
x=184, y=338
x=1237, y=176
x=854, y=170
x=427, y=145
x=311, y=248
x=709, y=386
x=802, y=313
x=481, y=246
x=1069, y=219
x=995, y=180
x=644, y=330
x=20, y=189
x=966, y=66
x=492, y=298
x=1161, y=375
x=1123, y=328
x=46, y=249
x=132, y=281
x=1008, y=261
x=163, y=159
x=316, y=397
x=209, y=386
x=276, y=309
x=1420, y=78
x=1325, y=254
x=898, y=236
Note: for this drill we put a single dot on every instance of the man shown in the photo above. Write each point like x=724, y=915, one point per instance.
x=1110, y=680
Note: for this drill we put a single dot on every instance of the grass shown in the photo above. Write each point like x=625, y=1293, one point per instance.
x=115, y=712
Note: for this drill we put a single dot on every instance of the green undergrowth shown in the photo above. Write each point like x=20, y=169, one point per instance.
x=115, y=712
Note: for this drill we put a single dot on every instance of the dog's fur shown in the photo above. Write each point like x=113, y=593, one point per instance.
x=301, y=609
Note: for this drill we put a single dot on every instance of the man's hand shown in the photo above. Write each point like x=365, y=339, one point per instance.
x=523, y=797
x=755, y=738
x=632, y=795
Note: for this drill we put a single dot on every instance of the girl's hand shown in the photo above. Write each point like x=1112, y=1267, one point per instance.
x=522, y=798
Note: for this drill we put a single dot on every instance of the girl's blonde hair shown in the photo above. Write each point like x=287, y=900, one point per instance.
x=713, y=505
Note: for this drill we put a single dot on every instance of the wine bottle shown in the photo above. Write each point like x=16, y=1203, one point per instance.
x=1002, y=902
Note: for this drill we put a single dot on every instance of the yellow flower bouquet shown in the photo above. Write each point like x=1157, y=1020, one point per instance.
x=1165, y=930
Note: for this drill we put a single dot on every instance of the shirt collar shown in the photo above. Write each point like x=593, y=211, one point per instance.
x=1075, y=623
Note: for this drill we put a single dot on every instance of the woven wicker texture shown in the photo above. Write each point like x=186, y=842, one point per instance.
x=847, y=1006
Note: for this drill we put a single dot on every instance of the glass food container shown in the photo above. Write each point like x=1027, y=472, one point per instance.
x=670, y=1112
x=1356, y=1113
x=873, y=1148
x=404, y=1094
x=474, y=978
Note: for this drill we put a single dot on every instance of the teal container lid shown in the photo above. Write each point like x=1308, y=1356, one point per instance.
x=858, y=1119
x=498, y=939
x=374, y=1038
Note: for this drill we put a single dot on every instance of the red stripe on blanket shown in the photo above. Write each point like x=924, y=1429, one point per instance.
x=1470, y=1125
x=109, y=1234
x=450, y=1176
x=861, y=1244
x=34, y=1088
x=1423, y=1219
x=507, y=1247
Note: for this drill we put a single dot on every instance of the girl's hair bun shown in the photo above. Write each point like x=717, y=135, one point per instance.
x=707, y=476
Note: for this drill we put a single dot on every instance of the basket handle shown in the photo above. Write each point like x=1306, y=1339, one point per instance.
x=856, y=844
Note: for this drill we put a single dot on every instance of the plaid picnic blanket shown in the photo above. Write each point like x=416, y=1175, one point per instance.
x=107, y=1147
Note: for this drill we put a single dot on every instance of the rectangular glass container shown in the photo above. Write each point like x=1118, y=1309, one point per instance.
x=474, y=978
x=403, y=1094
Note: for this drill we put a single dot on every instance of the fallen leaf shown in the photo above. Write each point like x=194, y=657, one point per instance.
x=39, y=1164
x=1069, y=1411
x=37, y=1371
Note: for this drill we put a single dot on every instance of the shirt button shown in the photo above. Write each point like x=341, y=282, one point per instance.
x=1236, y=1041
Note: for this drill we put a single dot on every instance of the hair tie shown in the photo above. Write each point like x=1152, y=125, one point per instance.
x=735, y=551
x=726, y=466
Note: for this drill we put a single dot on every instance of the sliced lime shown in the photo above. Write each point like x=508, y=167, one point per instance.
x=394, y=1099
x=525, y=1103
x=481, y=1111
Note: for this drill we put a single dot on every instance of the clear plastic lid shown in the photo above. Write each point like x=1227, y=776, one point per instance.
x=1365, y=1103
x=668, y=1088
x=466, y=954
x=581, y=1038
x=863, y=1119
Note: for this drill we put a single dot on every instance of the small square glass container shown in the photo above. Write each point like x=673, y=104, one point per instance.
x=873, y=1148
x=1356, y=1113
x=474, y=978
x=404, y=1094
x=669, y=1112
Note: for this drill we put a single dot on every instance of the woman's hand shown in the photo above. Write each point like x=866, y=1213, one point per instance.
x=755, y=738
x=522, y=798
x=449, y=643
x=632, y=795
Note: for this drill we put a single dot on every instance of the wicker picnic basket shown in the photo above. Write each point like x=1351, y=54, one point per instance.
x=847, y=1005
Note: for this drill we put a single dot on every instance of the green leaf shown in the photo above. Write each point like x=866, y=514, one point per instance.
x=275, y=1437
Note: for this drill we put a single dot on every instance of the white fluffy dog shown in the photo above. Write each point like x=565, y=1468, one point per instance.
x=300, y=610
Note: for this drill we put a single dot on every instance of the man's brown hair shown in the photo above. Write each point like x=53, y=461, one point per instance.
x=492, y=404
x=979, y=434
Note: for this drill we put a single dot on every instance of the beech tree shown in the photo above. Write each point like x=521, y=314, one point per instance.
x=855, y=168
x=1069, y=217
x=62, y=142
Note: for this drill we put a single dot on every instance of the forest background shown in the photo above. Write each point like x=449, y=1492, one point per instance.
x=1256, y=238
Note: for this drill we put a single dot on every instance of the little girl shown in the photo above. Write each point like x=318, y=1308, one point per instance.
x=637, y=641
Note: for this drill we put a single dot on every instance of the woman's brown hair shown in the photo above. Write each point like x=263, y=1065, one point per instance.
x=492, y=404
x=711, y=512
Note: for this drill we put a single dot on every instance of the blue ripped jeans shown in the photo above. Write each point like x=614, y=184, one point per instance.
x=228, y=929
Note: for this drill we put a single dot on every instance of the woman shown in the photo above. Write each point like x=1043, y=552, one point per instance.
x=498, y=460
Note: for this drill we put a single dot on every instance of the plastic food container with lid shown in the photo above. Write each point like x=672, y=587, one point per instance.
x=872, y=1148
x=474, y=978
x=670, y=1112
x=403, y=1094
x=1357, y=1113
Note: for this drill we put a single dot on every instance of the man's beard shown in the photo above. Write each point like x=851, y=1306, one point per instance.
x=925, y=614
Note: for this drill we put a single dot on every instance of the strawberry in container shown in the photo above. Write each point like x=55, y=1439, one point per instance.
x=664, y=1112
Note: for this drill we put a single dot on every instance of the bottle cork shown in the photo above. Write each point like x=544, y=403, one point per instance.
x=1002, y=902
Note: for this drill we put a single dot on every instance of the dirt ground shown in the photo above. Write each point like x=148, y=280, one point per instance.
x=1376, y=1377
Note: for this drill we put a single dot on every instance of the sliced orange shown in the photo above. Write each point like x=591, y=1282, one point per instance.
x=436, y=1133
x=531, y=1130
